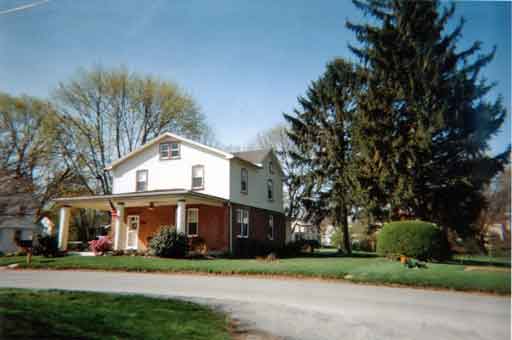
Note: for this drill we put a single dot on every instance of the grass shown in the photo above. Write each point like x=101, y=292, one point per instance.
x=361, y=267
x=29, y=314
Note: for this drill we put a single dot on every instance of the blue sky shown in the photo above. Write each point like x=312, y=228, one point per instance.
x=245, y=62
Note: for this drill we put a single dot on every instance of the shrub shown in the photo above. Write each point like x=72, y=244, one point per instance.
x=167, y=242
x=101, y=245
x=198, y=245
x=297, y=247
x=247, y=247
x=47, y=246
x=416, y=239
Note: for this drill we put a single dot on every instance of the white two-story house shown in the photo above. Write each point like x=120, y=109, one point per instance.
x=204, y=192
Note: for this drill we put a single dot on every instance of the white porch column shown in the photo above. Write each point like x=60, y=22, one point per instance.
x=120, y=228
x=181, y=210
x=65, y=215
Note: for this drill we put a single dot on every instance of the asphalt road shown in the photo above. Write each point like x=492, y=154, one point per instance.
x=304, y=309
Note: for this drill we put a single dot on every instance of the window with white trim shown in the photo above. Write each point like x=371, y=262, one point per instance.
x=270, y=190
x=271, y=227
x=169, y=150
x=142, y=180
x=198, y=177
x=242, y=218
x=192, y=221
x=244, y=183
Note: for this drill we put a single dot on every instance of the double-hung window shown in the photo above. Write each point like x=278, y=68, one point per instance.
x=244, y=183
x=242, y=219
x=198, y=177
x=142, y=180
x=192, y=221
x=270, y=190
x=169, y=150
x=270, y=227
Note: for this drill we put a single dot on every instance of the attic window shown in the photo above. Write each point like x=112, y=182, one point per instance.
x=169, y=150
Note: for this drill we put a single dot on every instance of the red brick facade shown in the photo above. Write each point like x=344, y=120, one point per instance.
x=259, y=225
x=213, y=224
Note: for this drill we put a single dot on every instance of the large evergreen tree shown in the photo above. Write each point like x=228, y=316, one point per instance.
x=322, y=129
x=424, y=115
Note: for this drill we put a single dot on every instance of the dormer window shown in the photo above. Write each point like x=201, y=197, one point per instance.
x=244, y=182
x=170, y=150
x=198, y=177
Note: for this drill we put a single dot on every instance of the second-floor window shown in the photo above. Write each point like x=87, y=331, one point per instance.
x=169, y=150
x=198, y=177
x=270, y=167
x=142, y=180
x=244, y=184
x=270, y=190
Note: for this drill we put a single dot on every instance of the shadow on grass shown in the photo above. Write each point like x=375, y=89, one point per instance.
x=336, y=254
x=478, y=262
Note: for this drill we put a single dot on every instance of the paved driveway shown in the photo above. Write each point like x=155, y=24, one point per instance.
x=295, y=309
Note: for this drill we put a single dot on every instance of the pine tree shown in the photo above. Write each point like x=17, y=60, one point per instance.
x=322, y=129
x=425, y=121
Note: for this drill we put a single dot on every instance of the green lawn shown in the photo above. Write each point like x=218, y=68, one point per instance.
x=29, y=314
x=362, y=267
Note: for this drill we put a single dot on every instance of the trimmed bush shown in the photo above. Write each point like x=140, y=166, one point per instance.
x=416, y=239
x=167, y=242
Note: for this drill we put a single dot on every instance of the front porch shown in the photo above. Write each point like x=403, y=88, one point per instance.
x=137, y=216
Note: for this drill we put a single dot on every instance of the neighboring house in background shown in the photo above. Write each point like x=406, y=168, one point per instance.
x=18, y=210
x=205, y=192
x=327, y=230
x=302, y=230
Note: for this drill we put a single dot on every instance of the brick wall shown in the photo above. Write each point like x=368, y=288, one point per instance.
x=213, y=223
x=258, y=226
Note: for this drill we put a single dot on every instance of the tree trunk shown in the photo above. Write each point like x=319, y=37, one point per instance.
x=346, y=236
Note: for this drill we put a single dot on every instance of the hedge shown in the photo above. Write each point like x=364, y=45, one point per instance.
x=416, y=239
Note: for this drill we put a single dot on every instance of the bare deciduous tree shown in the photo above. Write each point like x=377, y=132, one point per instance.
x=106, y=114
x=277, y=139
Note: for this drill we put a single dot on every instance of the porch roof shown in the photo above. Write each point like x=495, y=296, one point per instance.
x=140, y=199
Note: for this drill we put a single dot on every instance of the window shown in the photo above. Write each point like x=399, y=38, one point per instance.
x=142, y=180
x=270, y=167
x=242, y=218
x=270, y=190
x=198, y=177
x=271, y=227
x=244, y=185
x=192, y=221
x=169, y=150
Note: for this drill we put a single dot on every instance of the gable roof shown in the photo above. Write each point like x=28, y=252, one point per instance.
x=253, y=156
x=162, y=137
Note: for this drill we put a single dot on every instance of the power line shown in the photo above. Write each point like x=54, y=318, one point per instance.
x=23, y=7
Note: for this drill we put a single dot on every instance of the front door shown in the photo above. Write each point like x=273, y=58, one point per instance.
x=132, y=237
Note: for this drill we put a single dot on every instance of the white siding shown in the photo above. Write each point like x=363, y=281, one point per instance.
x=257, y=193
x=174, y=173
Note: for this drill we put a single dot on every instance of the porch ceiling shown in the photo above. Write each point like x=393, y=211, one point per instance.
x=140, y=199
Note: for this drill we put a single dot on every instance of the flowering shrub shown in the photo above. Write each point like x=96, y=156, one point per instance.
x=101, y=245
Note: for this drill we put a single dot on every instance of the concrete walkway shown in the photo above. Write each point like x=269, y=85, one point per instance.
x=295, y=309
